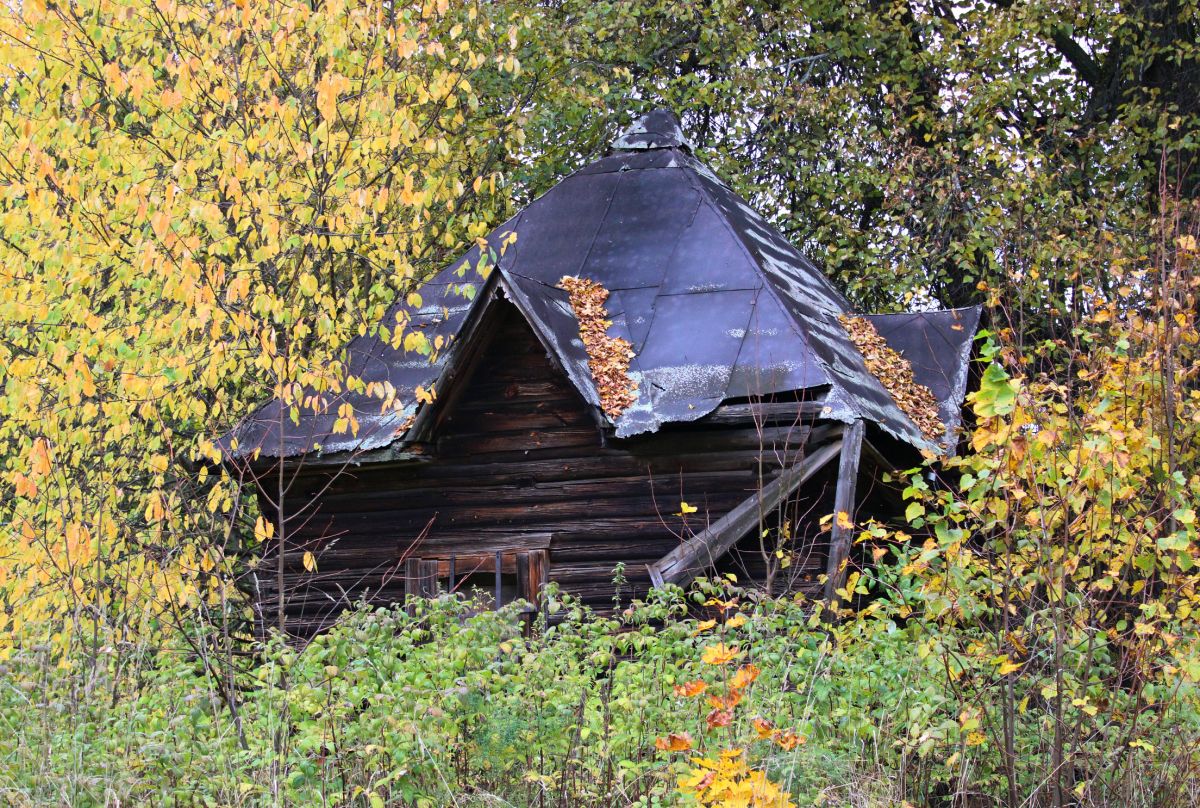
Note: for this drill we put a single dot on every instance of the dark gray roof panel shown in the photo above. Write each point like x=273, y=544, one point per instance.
x=708, y=258
x=555, y=232
x=690, y=353
x=938, y=346
x=715, y=302
x=650, y=212
x=636, y=307
x=774, y=355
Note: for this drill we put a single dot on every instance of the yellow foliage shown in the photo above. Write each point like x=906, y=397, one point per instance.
x=727, y=782
x=720, y=654
x=195, y=199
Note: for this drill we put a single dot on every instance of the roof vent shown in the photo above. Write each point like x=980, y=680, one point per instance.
x=657, y=129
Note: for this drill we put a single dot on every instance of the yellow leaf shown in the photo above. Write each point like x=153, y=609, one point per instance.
x=39, y=457
x=720, y=654
x=310, y=561
x=685, y=509
x=744, y=676
x=327, y=95
x=263, y=529
x=691, y=689
x=763, y=727
x=788, y=739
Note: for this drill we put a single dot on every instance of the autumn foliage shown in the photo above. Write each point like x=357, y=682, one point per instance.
x=201, y=203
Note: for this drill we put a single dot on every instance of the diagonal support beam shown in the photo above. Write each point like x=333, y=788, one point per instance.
x=843, y=502
x=687, y=560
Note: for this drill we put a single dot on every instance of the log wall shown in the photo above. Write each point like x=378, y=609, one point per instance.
x=518, y=462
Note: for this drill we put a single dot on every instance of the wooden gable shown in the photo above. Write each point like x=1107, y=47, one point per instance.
x=513, y=398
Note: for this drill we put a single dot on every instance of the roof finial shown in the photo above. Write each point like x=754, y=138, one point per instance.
x=657, y=129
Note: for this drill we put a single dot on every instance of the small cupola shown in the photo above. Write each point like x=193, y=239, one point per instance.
x=657, y=129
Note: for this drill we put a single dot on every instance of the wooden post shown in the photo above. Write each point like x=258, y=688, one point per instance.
x=427, y=573
x=539, y=575
x=420, y=579
x=531, y=577
x=499, y=581
x=450, y=585
x=539, y=570
x=522, y=564
x=412, y=581
x=843, y=502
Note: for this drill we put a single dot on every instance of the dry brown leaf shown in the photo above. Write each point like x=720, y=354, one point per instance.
x=895, y=373
x=608, y=357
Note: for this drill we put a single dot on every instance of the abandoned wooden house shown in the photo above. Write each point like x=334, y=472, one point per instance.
x=637, y=370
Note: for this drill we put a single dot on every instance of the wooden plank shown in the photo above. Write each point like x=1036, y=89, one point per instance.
x=684, y=562
x=772, y=412
x=522, y=564
x=428, y=578
x=539, y=571
x=499, y=595
x=843, y=502
x=412, y=580
x=674, y=456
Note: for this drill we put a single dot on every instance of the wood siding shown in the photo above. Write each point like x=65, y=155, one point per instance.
x=517, y=461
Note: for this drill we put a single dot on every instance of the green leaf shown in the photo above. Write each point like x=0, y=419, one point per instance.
x=997, y=393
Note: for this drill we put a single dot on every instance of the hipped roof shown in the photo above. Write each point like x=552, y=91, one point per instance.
x=715, y=302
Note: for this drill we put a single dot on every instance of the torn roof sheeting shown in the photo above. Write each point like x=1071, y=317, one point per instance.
x=715, y=302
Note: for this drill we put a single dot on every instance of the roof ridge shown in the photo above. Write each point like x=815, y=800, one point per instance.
x=847, y=399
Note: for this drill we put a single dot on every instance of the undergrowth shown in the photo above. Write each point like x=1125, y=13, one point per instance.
x=445, y=707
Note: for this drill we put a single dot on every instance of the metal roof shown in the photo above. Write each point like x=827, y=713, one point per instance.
x=715, y=302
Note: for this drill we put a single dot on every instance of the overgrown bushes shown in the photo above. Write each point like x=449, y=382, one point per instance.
x=445, y=708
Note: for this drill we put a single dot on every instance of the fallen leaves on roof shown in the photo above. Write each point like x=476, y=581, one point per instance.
x=608, y=357
x=896, y=375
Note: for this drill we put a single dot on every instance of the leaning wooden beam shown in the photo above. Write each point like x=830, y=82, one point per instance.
x=843, y=502
x=687, y=560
